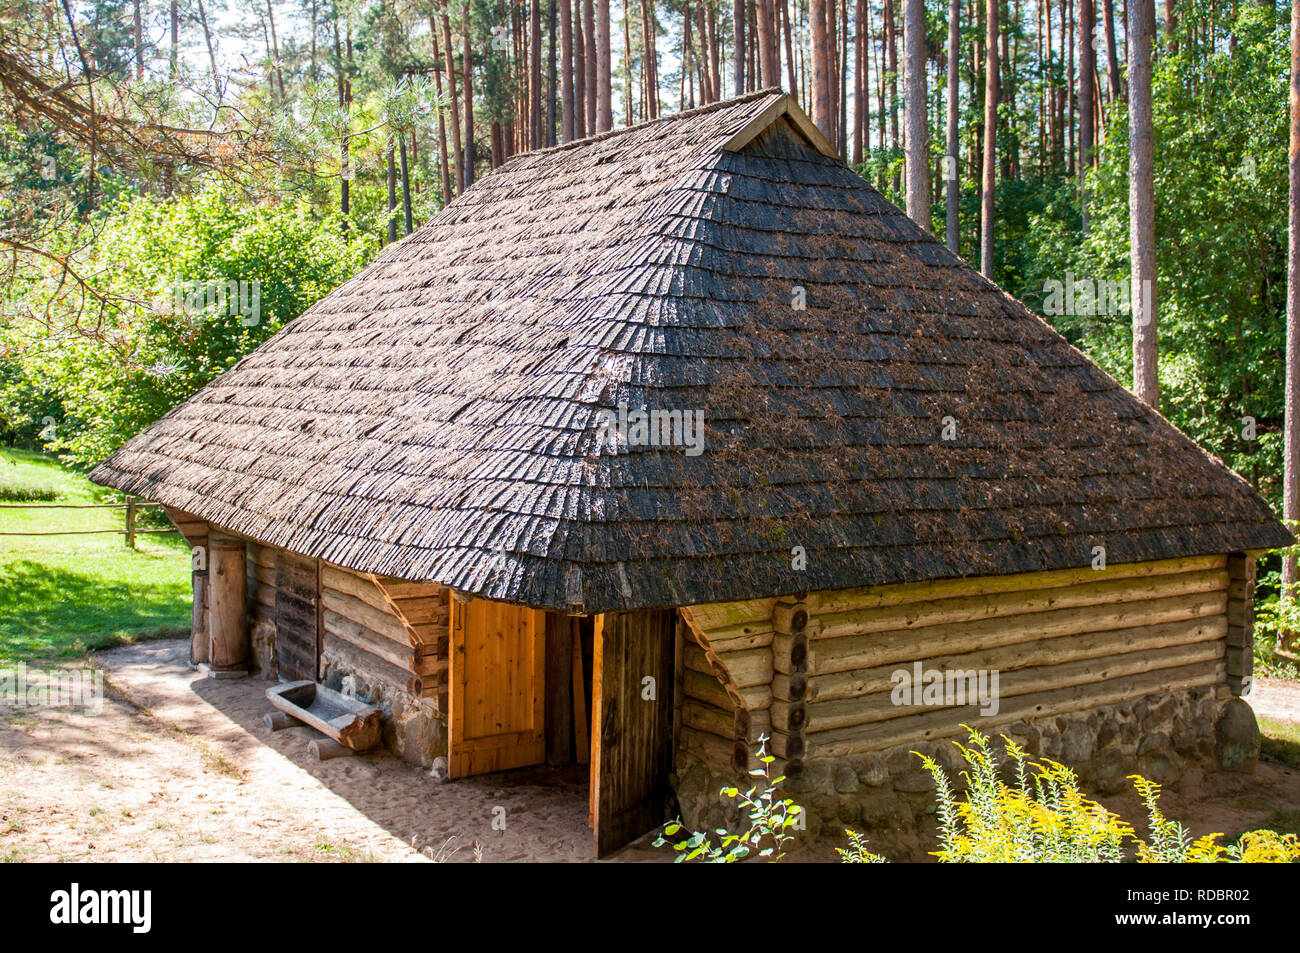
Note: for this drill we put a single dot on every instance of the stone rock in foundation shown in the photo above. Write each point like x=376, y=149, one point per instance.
x=1236, y=737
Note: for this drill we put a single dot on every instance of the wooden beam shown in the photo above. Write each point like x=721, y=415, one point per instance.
x=787, y=107
x=559, y=689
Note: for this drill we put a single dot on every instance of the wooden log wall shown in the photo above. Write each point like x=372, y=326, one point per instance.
x=390, y=630
x=726, y=680
x=387, y=630
x=191, y=527
x=1061, y=641
x=261, y=601
x=1241, y=622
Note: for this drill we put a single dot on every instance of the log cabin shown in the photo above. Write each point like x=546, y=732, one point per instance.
x=662, y=444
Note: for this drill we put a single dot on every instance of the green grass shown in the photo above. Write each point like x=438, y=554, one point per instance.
x=1280, y=741
x=63, y=595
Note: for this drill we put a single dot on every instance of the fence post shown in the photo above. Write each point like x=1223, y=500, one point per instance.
x=130, y=522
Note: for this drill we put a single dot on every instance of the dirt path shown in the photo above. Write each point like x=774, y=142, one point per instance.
x=178, y=767
x=1276, y=698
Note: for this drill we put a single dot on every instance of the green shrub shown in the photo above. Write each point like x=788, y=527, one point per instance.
x=771, y=820
x=1041, y=817
x=22, y=493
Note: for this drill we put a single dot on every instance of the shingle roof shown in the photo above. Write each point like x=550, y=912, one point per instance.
x=437, y=417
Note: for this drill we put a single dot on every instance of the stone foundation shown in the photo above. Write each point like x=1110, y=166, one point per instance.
x=1170, y=739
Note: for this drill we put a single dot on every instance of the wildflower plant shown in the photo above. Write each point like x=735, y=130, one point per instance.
x=771, y=821
x=1041, y=818
x=1171, y=843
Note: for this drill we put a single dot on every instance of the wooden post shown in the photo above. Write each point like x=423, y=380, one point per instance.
x=581, y=741
x=559, y=688
x=200, y=640
x=228, y=604
x=130, y=522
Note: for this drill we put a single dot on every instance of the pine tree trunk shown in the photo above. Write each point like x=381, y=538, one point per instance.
x=990, y=136
x=392, y=193
x=275, y=49
x=738, y=16
x=1141, y=201
x=467, y=70
x=345, y=99
x=651, y=55
x=1291, y=443
x=604, y=101
x=708, y=92
x=175, y=38
x=842, y=80
x=406, y=189
x=591, y=61
x=535, y=74
x=918, y=138
x=952, y=173
x=1112, y=52
x=891, y=43
x=861, y=92
x=579, y=71
x=769, y=64
x=567, y=124
x=551, y=72
x=1070, y=87
x=793, y=88
x=137, y=31
x=458, y=148
x=212, y=56
x=1087, y=102
x=444, y=165
x=821, y=94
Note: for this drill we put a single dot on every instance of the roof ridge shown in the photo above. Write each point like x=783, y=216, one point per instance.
x=672, y=117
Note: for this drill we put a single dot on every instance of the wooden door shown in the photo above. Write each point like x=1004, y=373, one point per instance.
x=631, y=747
x=297, y=628
x=497, y=693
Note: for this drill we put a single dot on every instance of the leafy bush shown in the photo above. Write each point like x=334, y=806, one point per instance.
x=1275, y=619
x=1171, y=843
x=1044, y=818
x=1040, y=818
x=239, y=274
x=771, y=820
x=20, y=493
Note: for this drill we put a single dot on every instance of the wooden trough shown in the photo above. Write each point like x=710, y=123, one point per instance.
x=351, y=723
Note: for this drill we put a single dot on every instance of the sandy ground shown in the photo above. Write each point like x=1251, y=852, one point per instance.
x=179, y=767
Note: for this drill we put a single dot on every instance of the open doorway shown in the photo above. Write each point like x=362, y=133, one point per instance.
x=530, y=687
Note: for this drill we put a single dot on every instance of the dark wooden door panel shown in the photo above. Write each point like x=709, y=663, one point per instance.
x=632, y=750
